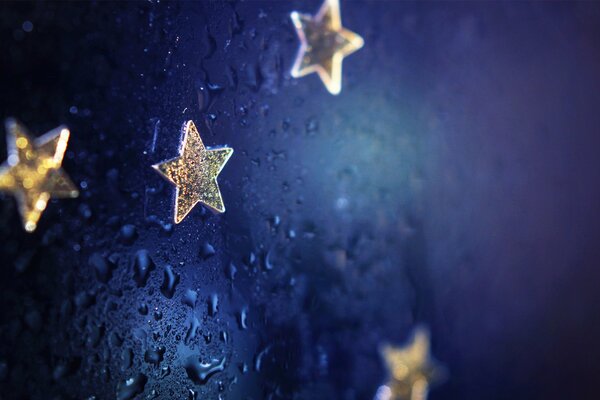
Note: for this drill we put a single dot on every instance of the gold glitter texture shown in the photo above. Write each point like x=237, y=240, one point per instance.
x=411, y=368
x=323, y=45
x=194, y=173
x=33, y=171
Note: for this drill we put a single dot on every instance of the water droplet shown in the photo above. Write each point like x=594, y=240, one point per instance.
x=142, y=265
x=102, y=266
x=231, y=271
x=154, y=355
x=65, y=368
x=206, y=251
x=232, y=78
x=3, y=370
x=190, y=297
x=96, y=334
x=128, y=234
x=33, y=319
x=253, y=77
x=170, y=282
x=126, y=359
x=259, y=358
x=235, y=24
x=213, y=304
x=115, y=339
x=85, y=299
x=27, y=26
x=211, y=43
x=312, y=126
x=165, y=371
x=131, y=387
x=267, y=262
x=243, y=367
x=84, y=210
x=242, y=317
x=143, y=309
x=200, y=372
x=192, y=330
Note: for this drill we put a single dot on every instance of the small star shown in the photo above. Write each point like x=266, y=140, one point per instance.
x=323, y=45
x=194, y=173
x=411, y=369
x=32, y=172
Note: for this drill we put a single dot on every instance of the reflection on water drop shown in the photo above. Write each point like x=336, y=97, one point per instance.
x=242, y=317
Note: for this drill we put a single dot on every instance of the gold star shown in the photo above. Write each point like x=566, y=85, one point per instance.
x=194, y=173
x=32, y=172
x=323, y=45
x=411, y=368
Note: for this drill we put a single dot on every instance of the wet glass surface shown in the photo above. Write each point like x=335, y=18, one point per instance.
x=453, y=183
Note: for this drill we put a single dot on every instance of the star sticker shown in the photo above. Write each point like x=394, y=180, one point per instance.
x=32, y=172
x=323, y=45
x=194, y=173
x=411, y=369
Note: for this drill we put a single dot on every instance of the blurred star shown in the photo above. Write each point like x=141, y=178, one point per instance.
x=33, y=171
x=194, y=173
x=411, y=369
x=323, y=45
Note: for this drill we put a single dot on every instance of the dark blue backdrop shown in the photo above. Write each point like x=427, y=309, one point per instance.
x=453, y=182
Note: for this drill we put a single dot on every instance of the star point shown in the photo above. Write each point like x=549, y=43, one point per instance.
x=324, y=43
x=33, y=173
x=194, y=173
x=411, y=368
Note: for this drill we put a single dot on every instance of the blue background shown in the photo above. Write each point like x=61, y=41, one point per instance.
x=452, y=183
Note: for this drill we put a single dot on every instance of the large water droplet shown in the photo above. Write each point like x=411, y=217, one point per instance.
x=200, y=372
x=142, y=265
x=231, y=271
x=192, y=330
x=154, y=355
x=85, y=299
x=126, y=359
x=128, y=234
x=131, y=387
x=213, y=304
x=170, y=282
x=242, y=317
x=206, y=251
x=190, y=297
x=102, y=266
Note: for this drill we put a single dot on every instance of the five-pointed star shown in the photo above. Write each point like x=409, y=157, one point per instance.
x=411, y=368
x=32, y=172
x=323, y=45
x=194, y=173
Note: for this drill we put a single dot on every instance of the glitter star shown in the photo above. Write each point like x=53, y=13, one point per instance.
x=323, y=45
x=194, y=173
x=411, y=369
x=32, y=172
